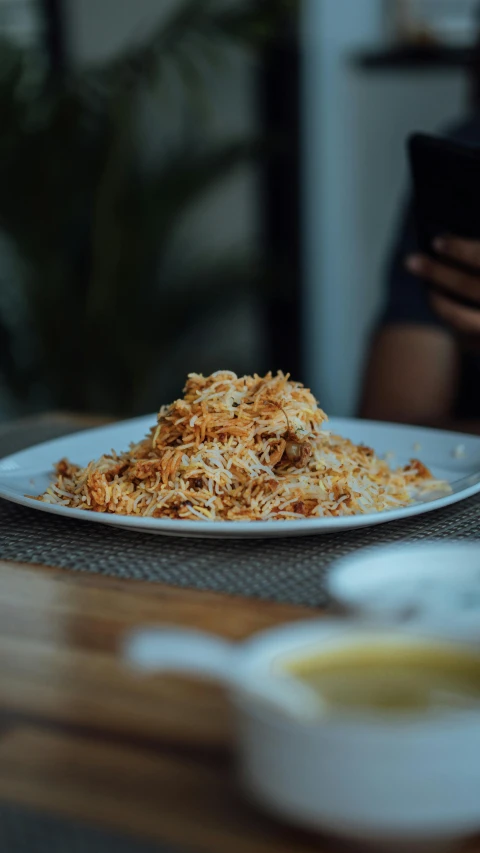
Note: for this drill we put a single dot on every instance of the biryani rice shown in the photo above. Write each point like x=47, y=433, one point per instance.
x=239, y=449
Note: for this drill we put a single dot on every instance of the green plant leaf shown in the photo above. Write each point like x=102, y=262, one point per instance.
x=94, y=226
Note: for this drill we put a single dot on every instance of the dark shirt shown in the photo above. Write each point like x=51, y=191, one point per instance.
x=408, y=301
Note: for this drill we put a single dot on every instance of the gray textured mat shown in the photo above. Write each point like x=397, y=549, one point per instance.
x=288, y=570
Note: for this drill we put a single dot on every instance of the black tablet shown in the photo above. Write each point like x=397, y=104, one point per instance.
x=446, y=178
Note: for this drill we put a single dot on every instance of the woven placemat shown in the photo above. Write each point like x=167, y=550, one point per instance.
x=26, y=831
x=290, y=570
x=287, y=570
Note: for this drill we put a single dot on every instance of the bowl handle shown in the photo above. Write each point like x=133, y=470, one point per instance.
x=173, y=650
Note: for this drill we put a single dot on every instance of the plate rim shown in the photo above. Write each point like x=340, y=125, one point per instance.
x=240, y=529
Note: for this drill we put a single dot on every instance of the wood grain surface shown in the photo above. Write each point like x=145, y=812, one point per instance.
x=82, y=736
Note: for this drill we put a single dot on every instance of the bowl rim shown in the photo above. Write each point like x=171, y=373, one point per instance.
x=345, y=573
x=283, y=642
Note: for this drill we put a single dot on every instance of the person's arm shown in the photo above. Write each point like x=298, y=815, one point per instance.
x=412, y=375
x=413, y=366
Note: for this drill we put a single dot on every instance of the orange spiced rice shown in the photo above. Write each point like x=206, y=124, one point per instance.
x=249, y=448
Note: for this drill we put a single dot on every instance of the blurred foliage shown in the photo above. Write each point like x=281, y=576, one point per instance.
x=92, y=223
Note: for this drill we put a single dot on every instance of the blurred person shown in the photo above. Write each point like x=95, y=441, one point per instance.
x=424, y=362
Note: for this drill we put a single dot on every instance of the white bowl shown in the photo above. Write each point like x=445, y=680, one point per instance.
x=400, y=780
x=412, y=582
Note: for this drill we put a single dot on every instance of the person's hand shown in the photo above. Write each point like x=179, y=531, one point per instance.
x=449, y=280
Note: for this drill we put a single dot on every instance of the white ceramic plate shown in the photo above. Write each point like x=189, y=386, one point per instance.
x=29, y=472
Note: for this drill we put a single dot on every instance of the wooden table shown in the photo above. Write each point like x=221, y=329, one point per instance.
x=83, y=737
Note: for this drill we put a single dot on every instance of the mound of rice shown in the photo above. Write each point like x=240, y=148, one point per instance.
x=249, y=448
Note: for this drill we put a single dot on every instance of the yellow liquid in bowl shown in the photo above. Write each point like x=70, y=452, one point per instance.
x=393, y=678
